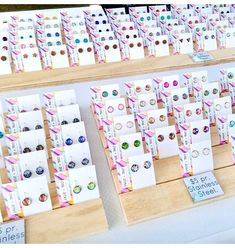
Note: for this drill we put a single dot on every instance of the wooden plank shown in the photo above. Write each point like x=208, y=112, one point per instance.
x=110, y=70
x=167, y=198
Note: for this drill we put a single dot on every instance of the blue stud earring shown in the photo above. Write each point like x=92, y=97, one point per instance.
x=27, y=173
x=69, y=142
x=39, y=170
x=71, y=165
x=77, y=41
x=57, y=34
x=81, y=139
x=85, y=161
x=85, y=40
x=1, y=135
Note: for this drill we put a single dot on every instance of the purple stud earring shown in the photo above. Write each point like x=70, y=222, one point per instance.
x=81, y=139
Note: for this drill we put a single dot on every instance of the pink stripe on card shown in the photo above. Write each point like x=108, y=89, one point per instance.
x=142, y=115
x=149, y=133
x=187, y=75
x=12, y=117
x=178, y=108
x=60, y=176
x=184, y=126
x=57, y=151
x=113, y=140
x=184, y=149
x=8, y=188
x=51, y=111
x=11, y=137
x=95, y=89
x=55, y=129
x=222, y=119
x=107, y=121
x=11, y=160
x=122, y=163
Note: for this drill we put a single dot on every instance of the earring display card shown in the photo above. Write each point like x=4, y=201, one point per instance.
x=209, y=40
x=193, y=111
x=131, y=144
x=166, y=139
x=68, y=114
x=222, y=106
x=104, y=92
x=115, y=107
x=124, y=124
x=147, y=102
x=200, y=130
x=5, y=63
x=185, y=43
x=142, y=171
x=84, y=184
x=59, y=98
x=136, y=49
x=59, y=56
x=112, y=51
x=202, y=159
x=86, y=53
x=23, y=103
x=161, y=45
x=25, y=121
x=31, y=60
x=203, y=186
x=230, y=38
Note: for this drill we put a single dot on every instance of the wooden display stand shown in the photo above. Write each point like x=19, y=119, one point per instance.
x=60, y=224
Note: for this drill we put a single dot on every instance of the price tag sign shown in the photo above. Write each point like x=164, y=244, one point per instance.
x=12, y=232
x=203, y=186
x=201, y=56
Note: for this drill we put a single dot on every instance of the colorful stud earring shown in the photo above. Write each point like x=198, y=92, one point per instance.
x=175, y=98
x=121, y=106
x=1, y=135
x=27, y=173
x=81, y=139
x=171, y=136
x=39, y=147
x=206, y=93
x=85, y=161
x=71, y=165
x=38, y=127
x=110, y=109
x=26, y=149
x=231, y=123
x=69, y=142
x=147, y=87
x=91, y=185
x=152, y=102
x=64, y=122
x=137, y=143
x=195, y=131
x=151, y=120
x=125, y=145
x=77, y=189
x=43, y=198
x=39, y=170
x=135, y=167
x=115, y=92
x=188, y=113
x=215, y=91
x=206, y=129
x=105, y=93
x=76, y=120
x=185, y=96
x=160, y=138
x=162, y=117
x=27, y=201
x=198, y=111
x=147, y=164
x=25, y=129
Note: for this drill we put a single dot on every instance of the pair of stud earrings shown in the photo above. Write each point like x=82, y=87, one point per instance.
x=147, y=87
x=214, y=92
x=34, y=109
x=176, y=97
x=69, y=141
x=160, y=137
x=205, y=151
x=136, y=167
x=205, y=129
x=125, y=145
x=151, y=102
x=28, y=173
x=218, y=107
x=78, y=188
x=197, y=79
x=25, y=129
x=189, y=112
x=120, y=107
x=119, y=126
x=38, y=148
x=152, y=120
x=106, y=94
x=174, y=83
x=28, y=201
x=64, y=122
x=72, y=164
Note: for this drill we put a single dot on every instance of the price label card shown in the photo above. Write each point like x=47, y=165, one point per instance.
x=203, y=186
x=201, y=56
x=12, y=232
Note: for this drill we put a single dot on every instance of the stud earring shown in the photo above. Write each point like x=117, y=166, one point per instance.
x=43, y=198
x=1, y=135
x=120, y=106
x=188, y=113
x=115, y=92
x=26, y=150
x=105, y=94
x=91, y=185
x=195, y=131
x=38, y=127
x=68, y=142
x=175, y=98
x=135, y=167
x=171, y=136
x=147, y=164
x=198, y=111
x=81, y=139
x=137, y=143
x=39, y=147
x=27, y=201
x=151, y=120
x=231, y=123
x=64, y=122
x=152, y=101
x=25, y=129
x=226, y=105
x=206, y=151
x=118, y=126
x=129, y=124
x=27, y=173
x=217, y=107
x=195, y=153
x=110, y=109
x=160, y=138
x=77, y=189
x=162, y=117
x=147, y=87
x=85, y=161
x=75, y=120
x=142, y=104
x=71, y=165
x=125, y=145
x=206, y=129
x=39, y=170
x=138, y=89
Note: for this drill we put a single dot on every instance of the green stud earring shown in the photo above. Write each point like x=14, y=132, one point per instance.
x=136, y=143
x=105, y=94
x=77, y=189
x=91, y=185
x=125, y=145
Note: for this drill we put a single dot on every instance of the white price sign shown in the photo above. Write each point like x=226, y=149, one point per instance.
x=203, y=186
x=12, y=232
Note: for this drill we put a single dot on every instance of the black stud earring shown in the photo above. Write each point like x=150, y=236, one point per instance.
x=64, y=122
x=71, y=165
x=26, y=150
x=38, y=127
x=39, y=147
x=27, y=174
x=76, y=120
x=85, y=161
x=39, y=170
x=25, y=129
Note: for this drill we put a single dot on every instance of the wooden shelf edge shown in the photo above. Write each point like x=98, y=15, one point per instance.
x=162, y=199
x=109, y=70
